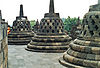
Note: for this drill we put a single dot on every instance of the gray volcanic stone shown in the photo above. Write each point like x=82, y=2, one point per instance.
x=50, y=36
x=87, y=44
x=21, y=32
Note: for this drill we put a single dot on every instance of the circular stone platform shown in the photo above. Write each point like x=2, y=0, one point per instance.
x=84, y=52
x=50, y=36
x=20, y=38
x=21, y=32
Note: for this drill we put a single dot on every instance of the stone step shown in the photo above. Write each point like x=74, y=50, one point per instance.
x=69, y=65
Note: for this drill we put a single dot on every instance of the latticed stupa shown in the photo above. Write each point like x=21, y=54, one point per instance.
x=21, y=30
x=84, y=52
x=36, y=26
x=50, y=36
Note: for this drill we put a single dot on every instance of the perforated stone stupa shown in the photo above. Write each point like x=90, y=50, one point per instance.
x=84, y=52
x=21, y=32
x=36, y=26
x=50, y=36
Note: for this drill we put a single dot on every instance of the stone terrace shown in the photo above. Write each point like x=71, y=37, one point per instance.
x=18, y=57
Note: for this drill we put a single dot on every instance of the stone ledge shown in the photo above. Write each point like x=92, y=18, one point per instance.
x=69, y=65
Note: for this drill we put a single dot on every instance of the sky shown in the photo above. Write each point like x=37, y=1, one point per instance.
x=35, y=9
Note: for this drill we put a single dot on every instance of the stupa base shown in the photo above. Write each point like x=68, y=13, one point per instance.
x=20, y=38
x=18, y=42
x=69, y=65
x=47, y=49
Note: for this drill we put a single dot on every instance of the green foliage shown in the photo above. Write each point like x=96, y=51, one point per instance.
x=69, y=22
x=32, y=23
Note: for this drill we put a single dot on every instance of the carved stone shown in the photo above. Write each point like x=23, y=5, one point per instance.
x=84, y=52
x=3, y=43
x=21, y=32
x=50, y=36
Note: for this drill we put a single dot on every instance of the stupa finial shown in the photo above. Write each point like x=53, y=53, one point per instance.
x=21, y=10
x=51, y=7
x=0, y=15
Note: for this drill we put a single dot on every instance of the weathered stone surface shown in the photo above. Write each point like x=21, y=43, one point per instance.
x=3, y=43
x=21, y=32
x=31, y=59
x=50, y=36
x=85, y=50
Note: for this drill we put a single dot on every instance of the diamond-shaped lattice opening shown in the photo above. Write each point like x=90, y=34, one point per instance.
x=83, y=26
x=88, y=27
x=50, y=27
x=60, y=27
x=55, y=27
x=45, y=20
x=91, y=32
x=47, y=23
x=93, y=22
x=84, y=32
x=52, y=31
x=58, y=31
x=96, y=16
x=53, y=24
x=55, y=20
x=96, y=27
x=57, y=23
x=51, y=20
x=62, y=31
x=47, y=31
x=86, y=22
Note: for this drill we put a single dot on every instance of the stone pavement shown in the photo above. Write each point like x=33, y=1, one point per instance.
x=18, y=57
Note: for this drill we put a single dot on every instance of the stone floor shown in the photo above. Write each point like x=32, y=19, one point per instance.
x=18, y=57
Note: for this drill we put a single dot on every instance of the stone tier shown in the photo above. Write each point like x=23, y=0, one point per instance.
x=82, y=53
x=19, y=38
x=49, y=43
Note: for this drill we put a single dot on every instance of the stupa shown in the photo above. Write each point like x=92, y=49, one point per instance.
x=21, y=32
x=36, y=26
x=76, y=29
x=50, y=36
x=84, y=52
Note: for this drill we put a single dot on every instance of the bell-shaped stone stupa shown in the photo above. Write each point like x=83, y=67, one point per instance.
x=21, y=32
x=50, y=36
x=84, y=52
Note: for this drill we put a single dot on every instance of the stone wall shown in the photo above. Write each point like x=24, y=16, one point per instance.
x=3, y=46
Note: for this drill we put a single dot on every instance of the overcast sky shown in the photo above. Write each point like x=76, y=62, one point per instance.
x=35, y=9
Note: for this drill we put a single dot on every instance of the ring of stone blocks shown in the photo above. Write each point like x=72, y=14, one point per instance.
x=82, y=62
x=87, y=43
x=83, y=55
x=47, y=47
x=85, y=49
x=51, y=39
x=59, y=36
x=50, y=44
